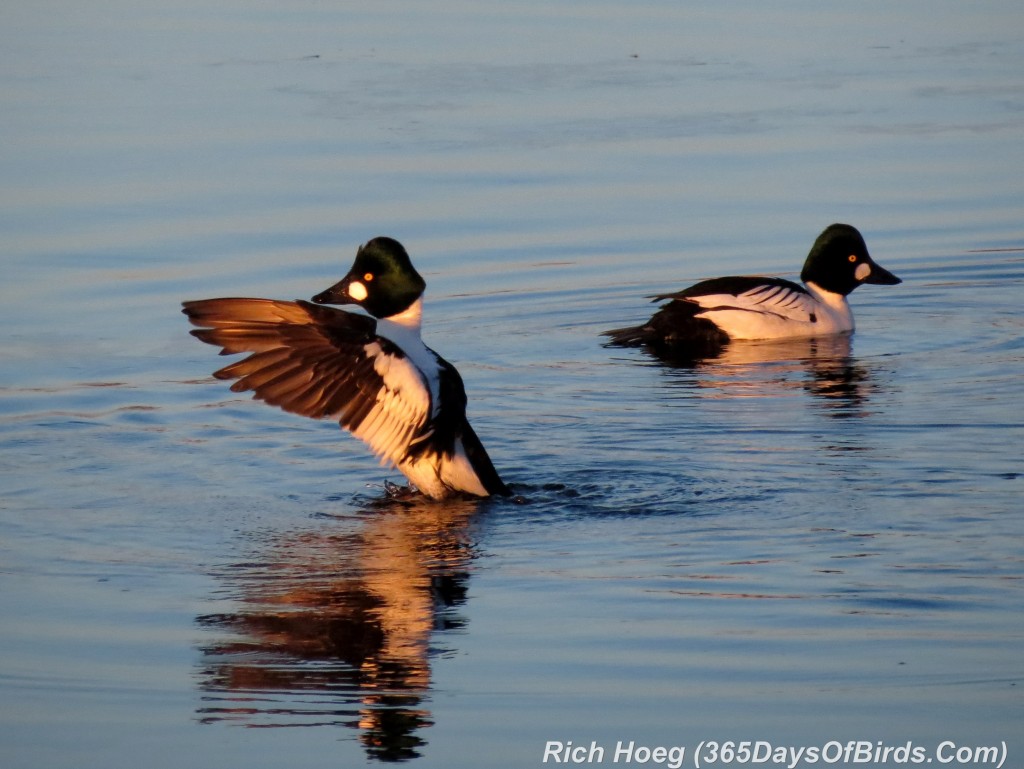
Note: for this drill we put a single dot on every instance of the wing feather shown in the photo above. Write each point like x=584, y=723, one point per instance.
x=319, y=361
x=774, y=296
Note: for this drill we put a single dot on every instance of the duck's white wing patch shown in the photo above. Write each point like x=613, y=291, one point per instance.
x=755, y=308
x=398, y=410
x=320, y=362
x=779, y=300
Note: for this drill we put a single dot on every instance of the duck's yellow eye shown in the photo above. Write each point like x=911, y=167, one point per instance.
x=368, y=277
x=851, y=257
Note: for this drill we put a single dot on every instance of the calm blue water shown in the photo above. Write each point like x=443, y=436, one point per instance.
x=796, y=544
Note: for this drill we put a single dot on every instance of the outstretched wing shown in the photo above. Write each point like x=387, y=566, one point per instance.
x=320, y=362
x=770, y=296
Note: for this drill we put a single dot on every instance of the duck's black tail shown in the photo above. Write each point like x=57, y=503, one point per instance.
x=631, y=336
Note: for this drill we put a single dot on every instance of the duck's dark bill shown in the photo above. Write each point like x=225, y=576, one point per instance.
x=336, y=294
x=881, y=276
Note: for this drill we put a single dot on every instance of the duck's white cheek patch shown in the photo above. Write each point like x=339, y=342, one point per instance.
x=862, y=271
x=357, y=290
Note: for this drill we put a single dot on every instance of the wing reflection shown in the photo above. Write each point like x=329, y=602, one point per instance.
x=824, y=367
x=336, y=628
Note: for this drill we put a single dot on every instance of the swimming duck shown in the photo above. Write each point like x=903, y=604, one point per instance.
x=709, y=314
x=372, y=373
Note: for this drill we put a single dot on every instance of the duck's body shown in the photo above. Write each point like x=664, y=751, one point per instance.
x=714, y=312
x=372, y=373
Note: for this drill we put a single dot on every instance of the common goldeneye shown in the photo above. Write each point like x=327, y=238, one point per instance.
x=707, y=315
x=371, y=373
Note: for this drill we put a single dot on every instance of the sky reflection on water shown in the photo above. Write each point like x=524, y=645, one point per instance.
x=801, y=544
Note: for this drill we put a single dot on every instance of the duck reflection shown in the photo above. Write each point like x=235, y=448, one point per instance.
x=338, y=627
x=824, y=367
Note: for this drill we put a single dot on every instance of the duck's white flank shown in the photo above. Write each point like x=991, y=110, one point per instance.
x=773, y=312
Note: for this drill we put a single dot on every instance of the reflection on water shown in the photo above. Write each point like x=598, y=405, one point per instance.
x=823, y=367
x=336, y=628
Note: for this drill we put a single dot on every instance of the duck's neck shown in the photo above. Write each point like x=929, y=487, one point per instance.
x=408, y=320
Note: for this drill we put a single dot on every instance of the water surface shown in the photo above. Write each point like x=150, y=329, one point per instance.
x=796, y=543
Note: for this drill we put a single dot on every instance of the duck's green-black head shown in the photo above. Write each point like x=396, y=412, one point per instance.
x=839, y=262
x=382, y=280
